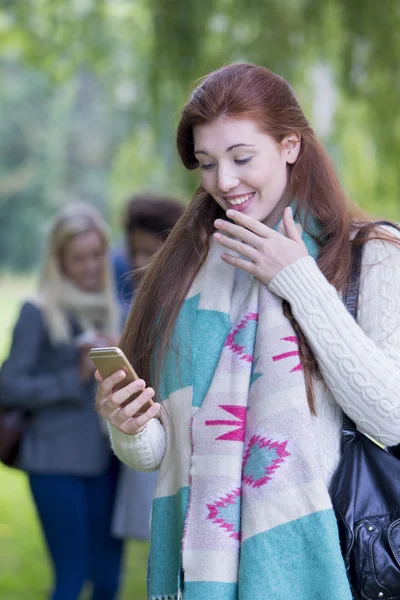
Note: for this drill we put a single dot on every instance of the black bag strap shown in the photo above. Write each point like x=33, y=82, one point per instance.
x=352, y=293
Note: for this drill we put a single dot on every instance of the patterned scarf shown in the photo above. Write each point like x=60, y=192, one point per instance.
x=241, y=511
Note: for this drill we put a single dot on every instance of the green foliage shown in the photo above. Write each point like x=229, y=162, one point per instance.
x=22, y=160
x=91, y=92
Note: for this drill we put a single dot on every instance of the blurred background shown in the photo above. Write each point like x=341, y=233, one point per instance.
x=90, y=94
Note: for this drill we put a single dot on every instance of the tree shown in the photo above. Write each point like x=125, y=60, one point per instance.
x=112, y=76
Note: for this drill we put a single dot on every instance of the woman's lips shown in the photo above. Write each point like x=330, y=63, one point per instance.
x=246, y=200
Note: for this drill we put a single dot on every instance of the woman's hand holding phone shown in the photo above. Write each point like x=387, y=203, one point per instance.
x=113, y=405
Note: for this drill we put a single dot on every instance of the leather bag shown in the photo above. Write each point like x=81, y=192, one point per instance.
x=13, y=422
x=365, y=492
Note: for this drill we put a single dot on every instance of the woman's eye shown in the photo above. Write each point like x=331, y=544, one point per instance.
x=206, y=167
x=243, y=161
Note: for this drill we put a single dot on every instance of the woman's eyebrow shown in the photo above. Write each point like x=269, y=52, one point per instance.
x=227, y=150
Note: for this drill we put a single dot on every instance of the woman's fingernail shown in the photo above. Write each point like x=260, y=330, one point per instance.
x=229, y=213
x=218, y=223
x=121, y=374
x=217, y=236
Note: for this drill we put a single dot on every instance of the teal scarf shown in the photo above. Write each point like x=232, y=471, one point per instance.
x=241, y=511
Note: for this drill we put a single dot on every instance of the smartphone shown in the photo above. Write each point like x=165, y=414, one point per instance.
x=109, y=361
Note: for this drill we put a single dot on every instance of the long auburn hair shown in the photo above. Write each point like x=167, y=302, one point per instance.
x=251, y=92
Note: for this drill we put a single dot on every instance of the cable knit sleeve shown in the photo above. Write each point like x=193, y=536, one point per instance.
x=143, y=451
x=360, y=363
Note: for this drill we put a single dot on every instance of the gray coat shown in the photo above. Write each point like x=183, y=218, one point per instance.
x=64, y=435
x=132, y=509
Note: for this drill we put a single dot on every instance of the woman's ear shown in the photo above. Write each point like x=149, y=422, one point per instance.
x=291, y=147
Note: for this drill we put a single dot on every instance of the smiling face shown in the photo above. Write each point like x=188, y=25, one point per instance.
x=83, y=261
x=244, y=168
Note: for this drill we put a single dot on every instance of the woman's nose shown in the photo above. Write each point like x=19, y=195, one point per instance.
x=227, y=180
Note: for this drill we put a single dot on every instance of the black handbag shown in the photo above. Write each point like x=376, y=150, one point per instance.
x=365, y=493
x=13, y=423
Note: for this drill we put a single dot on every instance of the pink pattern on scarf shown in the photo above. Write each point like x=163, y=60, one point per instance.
x=293, y=339
x=236, y=435
x=230, y=341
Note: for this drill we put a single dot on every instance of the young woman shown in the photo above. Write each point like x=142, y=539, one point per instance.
x=65, y=451
x=253, y=355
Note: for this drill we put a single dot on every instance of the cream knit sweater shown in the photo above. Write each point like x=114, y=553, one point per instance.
x=360, y=362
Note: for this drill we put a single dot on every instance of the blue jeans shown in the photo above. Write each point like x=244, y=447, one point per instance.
x=148, y=578
x=75, y=513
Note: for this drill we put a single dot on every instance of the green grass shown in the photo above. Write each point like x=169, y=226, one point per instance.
x=24, y=567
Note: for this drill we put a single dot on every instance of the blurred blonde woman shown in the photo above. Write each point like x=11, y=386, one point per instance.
x=65, y=453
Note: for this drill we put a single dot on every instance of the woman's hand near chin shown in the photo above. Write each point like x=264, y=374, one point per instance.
x=268, y=251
